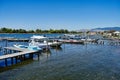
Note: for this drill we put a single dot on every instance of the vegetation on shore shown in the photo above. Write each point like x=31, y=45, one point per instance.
x=9, y=30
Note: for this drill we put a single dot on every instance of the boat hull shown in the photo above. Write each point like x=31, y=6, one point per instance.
x=56, y=44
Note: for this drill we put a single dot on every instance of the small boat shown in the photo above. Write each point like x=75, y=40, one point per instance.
x=20, y=46
x=54, y=43
x=34, y=48
x=43, y=42
x=27, y=47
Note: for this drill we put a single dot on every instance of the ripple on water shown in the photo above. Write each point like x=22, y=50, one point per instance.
x=73, y=62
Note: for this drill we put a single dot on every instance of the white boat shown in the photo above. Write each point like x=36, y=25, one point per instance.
x=43, y=42
x=20, y=46
x=27, y=47
x=54, y=43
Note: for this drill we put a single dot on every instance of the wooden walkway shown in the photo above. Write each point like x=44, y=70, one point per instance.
x=16, y=54
x=20, y=53
x=14, y=39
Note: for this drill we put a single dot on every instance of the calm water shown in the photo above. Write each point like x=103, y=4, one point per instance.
x=70, y=62
x=27, y=35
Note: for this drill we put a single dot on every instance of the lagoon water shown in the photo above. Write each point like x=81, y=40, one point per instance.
x=70, y=62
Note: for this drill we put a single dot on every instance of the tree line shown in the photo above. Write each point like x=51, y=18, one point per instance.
x=9, y=30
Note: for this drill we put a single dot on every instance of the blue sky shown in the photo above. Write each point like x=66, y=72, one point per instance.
x=59, y=14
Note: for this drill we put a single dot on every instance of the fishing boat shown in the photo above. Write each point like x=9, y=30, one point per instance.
x=43, y=42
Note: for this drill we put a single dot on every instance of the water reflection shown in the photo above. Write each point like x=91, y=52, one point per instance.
x=57, y=48
x=71, y=62
x=23, y=63
x=45, y=55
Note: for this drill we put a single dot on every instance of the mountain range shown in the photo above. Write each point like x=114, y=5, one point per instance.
x=106, y=29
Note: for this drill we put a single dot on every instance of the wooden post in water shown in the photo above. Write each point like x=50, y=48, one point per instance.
x=6, y=62
x=16, y=59
x=31, y=55
x=24, y=57
x=10, y=51
x=38, y=55
x=21, y=58
x=12, y=60
x=5, y=51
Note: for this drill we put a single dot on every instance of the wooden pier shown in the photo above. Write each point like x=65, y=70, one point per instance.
x=15, y=39
x=72, y=41
x=19, y=52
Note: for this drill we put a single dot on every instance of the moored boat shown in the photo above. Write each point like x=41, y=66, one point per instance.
x=43, y=42
x=27, y=47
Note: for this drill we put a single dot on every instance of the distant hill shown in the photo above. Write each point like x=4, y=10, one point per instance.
x=106, y=29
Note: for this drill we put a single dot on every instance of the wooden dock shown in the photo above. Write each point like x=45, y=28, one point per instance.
x=18, y=40
x=72, y=41
x=20, y=53
x=14, y=39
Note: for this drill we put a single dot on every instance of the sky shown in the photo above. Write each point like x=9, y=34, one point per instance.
x=59, y=14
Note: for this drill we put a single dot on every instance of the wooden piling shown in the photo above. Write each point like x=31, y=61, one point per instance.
x=38, y=56
x=12, y=60
x=16, y=59
x=24, y=57
x=6, y=62
x=31, y=56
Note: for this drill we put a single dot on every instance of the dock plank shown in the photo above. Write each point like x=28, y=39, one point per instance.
x=23, y=51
